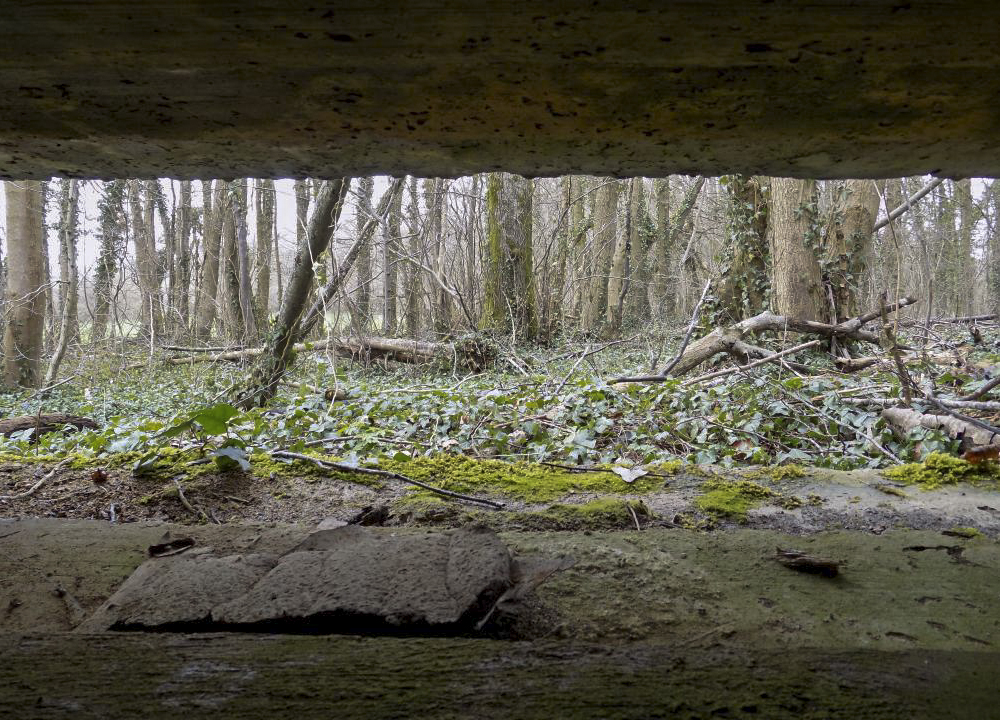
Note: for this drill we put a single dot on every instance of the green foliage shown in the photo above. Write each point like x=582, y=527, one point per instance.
x=939, y=469
x=732, y=499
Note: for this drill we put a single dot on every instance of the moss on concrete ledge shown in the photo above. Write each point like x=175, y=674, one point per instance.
x=939, y=469
x=732, y=499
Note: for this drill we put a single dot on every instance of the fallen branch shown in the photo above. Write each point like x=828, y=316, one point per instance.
x=741, y=368
x=731, y=339
x=342, y=467
x=903, y=420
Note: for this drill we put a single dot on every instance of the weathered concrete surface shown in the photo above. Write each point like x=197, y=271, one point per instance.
x=351, y=579
x=254, y=88
x=251, y=677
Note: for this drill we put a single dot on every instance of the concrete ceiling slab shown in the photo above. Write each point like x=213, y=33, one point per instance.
x=112, y=88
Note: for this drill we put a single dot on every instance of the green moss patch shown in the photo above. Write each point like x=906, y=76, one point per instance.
x=531, y=483
x=732, y=499
x=939, y=469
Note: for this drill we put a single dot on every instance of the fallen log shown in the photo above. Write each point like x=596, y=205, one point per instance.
x=903, y=420
x=472, y=353
x=42, y=424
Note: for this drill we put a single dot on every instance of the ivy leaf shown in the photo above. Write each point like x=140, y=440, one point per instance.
x=231, y=457
x=629, y=475
x=215, y=420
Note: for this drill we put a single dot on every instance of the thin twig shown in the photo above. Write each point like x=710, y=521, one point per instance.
x=687, y=336
x=34, y=488
x=635, y=518
x=187, y=505
x=976, y=394
x=329, y=465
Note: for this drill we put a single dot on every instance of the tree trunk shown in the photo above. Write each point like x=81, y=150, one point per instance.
x=209, y=284
x=745, y=263
x=413, y=268
x=391, y=255
x=605, y=232
x=145, y=258
x=68, y=326
x=798, y=281
x=966, y=270
x=509, y=294
x=264, y=197
x=111, y=209
x=25, y=284
x=279, y=350
x=472, y=242
x=182, y=246
x=363, y=213
x=618, y=274
x=849, y=244
x=637, y=307
x=245, y=295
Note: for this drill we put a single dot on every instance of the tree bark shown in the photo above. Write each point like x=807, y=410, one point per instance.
x=605, y=233
x=264, y=197
x=745, y=282
x=363, y=213
x=111, y=209
x=68, y=327
x=509, y=294
x=23, y=334
x=391, y=255
x=209, y=284
x=798, y=281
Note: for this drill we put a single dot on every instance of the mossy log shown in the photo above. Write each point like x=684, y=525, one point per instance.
x=42, y=424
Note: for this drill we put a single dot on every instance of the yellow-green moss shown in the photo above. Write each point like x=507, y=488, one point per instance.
x=777, y=473
x=939, y=469
x=532, y=483
x=890, y=490
x=732, y=499
x=965, y=532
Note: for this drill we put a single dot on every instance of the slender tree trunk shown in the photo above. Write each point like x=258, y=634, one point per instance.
x=605, y=234
x=25, y=285
x=472, y=242
x=798, y=281
x=363, y=213
x=68, y=327
x=413, y=271
x=142, y=220
x=618, y=285
x=182, y=245
x=509, y=294
x=209, y=284
x=966, y=266
x=659, y=300
x=245, y=288
x=849, y=246
x=111, y=209
x=391, y=254
x=279, y=352
x=264, y=198
x=639, y=275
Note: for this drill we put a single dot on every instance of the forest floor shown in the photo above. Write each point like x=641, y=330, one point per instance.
x=670, y=500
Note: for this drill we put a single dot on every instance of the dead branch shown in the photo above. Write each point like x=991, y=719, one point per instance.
x=903, y=420
x=45, y=478
x=731, y=339
x=742, y=368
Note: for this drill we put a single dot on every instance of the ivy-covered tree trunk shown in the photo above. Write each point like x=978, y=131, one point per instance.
x=111, y=238
x=745, y=283
x=23, y=333
x=849, y=245
x=794, y=240
x=278, y=352
x=264, y=206
x=509, y=291
x=69, y=200
x=208, y=286
x=472, y=242
x=661, y=299
x=391, y=256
